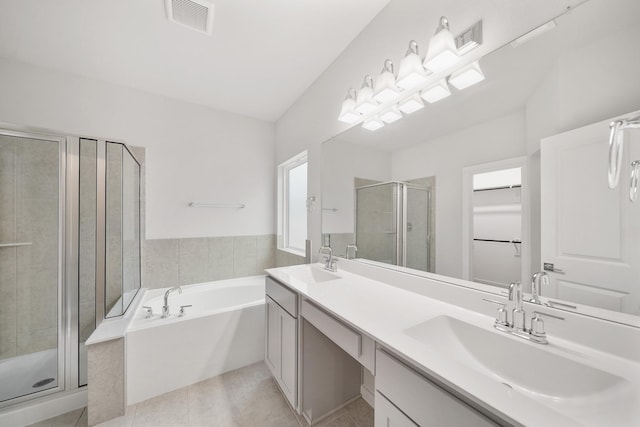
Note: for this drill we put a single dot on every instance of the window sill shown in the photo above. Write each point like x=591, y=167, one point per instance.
x=293, y=252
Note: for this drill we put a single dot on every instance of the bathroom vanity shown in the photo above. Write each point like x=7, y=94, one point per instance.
x=435, y=355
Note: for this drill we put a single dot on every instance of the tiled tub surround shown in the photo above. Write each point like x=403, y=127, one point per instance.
x=398, y=303
x=173, y=262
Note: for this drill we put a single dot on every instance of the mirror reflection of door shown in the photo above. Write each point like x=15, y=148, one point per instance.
x=590, y=233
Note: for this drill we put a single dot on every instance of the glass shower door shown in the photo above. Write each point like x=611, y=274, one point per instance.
x=30, y=260
x=417, y=228
x=377, y=210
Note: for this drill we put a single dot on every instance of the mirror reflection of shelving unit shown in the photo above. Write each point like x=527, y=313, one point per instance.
x=497, y=227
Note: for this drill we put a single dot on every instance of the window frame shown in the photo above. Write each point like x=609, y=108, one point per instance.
x=283, y=191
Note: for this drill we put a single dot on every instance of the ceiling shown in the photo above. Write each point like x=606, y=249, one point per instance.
x=261, y=57
x=511, y=76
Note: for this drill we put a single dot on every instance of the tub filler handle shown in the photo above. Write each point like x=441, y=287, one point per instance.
x=182, y=309
x=149, y=311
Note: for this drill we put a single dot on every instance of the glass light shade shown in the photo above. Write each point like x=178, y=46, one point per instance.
x=365, y=103
x=391, y=114
x=467, y=76
x=411, y=73
x=411, y=104
x=386, y=89
x=436, y=92
x=348, y=112
x=442, y=52
x=373, y=124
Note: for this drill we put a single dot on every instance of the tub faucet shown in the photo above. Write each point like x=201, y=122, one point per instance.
x=165, y=307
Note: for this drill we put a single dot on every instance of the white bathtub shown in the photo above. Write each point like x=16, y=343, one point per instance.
x=222, y=331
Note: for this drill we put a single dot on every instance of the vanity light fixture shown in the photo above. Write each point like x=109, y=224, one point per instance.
x=386, y=89
x=386, y=100
x=442, y=52
x=373, y=123
x=436, y=92
x=391, y=114
x=467, y=76
x=348, y=113
x=411, y=104
x=365, y=104
x=411, y=73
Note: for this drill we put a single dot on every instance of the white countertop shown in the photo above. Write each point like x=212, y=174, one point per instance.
x=384, y=312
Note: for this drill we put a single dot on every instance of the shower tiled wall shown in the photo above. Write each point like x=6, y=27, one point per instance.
x=173, y=262
x=28, y=274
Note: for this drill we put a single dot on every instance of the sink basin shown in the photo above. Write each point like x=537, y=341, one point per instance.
x=311, y=274
x=526, y=367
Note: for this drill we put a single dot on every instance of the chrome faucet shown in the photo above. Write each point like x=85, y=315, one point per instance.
x=165, y=307
x=330, y=263
x=537, y=281
x=355, y=250
x=517, y=326
x=515, y=293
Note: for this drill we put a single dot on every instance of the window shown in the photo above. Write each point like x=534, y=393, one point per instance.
x=292, y=213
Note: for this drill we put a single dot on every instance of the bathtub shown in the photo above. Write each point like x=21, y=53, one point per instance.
x=222, y=331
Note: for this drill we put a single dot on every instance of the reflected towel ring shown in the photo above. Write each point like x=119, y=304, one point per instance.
x=633, y=185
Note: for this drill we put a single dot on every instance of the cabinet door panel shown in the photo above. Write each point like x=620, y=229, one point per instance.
x=273, y=339
x=387, y=415
x=288, y=356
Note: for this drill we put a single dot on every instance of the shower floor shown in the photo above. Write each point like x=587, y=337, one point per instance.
x=19, y=375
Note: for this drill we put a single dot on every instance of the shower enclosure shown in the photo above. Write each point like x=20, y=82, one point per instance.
x=393, y=224
x=69, y=253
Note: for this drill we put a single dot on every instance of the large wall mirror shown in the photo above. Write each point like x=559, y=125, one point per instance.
x=494, y=181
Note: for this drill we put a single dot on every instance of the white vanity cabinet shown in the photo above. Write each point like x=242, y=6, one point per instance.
x=406, y=398
x=281, y=336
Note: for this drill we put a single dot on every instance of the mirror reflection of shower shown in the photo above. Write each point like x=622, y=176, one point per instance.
x=393, y=222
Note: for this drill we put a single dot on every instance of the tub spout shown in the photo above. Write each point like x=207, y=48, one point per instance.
x=165, y=307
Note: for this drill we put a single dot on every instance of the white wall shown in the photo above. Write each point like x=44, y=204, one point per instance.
x=193, y=153
x=312, y=119
x=348, y=161
x=445, y=158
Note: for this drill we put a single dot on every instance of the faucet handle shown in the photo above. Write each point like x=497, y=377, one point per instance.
x=182, y=309
x=149, y=311
x=537, y=331
x=502, y=320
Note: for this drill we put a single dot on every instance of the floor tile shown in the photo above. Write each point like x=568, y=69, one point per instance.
x=341, y=421
x=169, y=409
x=361, y=413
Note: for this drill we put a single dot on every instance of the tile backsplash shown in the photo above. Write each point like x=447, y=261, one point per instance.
x=173, y=262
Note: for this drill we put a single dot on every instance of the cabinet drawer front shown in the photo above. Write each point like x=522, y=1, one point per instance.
x=341, y=334
x=284, y=296
x=387, y=415
x=420, y=399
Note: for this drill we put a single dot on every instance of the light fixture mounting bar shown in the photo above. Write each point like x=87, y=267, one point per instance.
x=469, y=38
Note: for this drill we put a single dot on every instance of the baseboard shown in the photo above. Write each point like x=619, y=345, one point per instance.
x=47, y=407
x=367, y=395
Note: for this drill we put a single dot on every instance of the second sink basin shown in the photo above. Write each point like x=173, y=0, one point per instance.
x=527, y=367
x=311, y=274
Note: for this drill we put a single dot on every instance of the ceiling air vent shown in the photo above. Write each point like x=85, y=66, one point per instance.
x=195, y=14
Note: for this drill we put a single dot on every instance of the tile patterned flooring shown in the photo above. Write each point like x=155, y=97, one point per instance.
x=247, y=397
